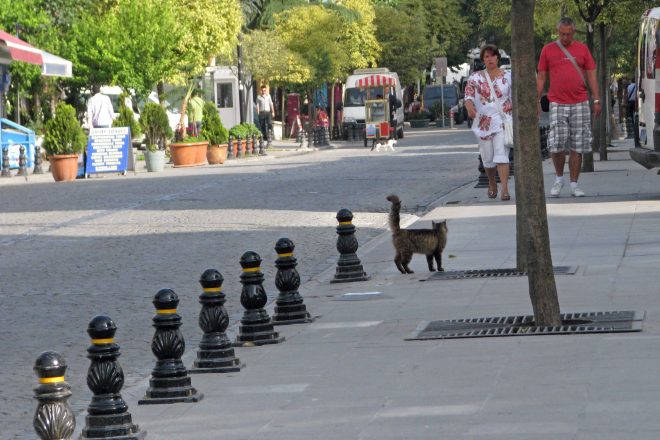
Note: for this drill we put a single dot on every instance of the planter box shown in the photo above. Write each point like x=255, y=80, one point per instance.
x=216, y=154
x=419, y=123
x=189, y=154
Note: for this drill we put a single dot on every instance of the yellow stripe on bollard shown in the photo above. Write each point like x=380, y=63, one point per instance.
x=166, y=311
x=212, y=289
x=103, y=341
x=252, y=269
x=346, y=223
x=288, y=254
x=51, y=379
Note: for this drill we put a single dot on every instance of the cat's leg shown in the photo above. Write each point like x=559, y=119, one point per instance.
x=438, y=259
x=407, y=258
x=429, y=260
x=397, y=261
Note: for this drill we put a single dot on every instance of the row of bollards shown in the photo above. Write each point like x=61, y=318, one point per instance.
x=254, y=146
x=22, y=162
x=107, y=414
x=355, y=133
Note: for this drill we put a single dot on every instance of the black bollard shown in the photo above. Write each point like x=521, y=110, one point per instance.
x=256, y=327
x=107, y=414
x=298, y=137
x=22, y=162
x=54, y=419
x=5, y=163
x=169, y=381
x=230, y=147
x=215, y=354
x=326, y=136
x=270, y=138
x=349, y=267
x=350, y=134
x=302, y=140
x=262, y=149
x=37, y=160
x=239, y=147
x=255, y=146
x=289, y=307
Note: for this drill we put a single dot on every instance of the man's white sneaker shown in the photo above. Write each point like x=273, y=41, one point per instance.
x=556, y=188
x=577, y=192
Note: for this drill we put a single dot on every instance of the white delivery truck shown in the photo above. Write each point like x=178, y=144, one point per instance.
x=647, y=77
x=353, y=114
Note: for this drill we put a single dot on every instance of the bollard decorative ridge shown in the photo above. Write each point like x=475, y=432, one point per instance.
x=239, y=147
x=230, y=147
x=256, y=327
x=349, y=267
x=289, y=306
x=262, y=150
x=53, y=419
x=216, y=352
x=107, y=413
x=37, y=159
x=22, y=162
x=169, y=381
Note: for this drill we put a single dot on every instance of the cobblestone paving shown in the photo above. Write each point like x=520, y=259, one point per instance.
x=106, y=245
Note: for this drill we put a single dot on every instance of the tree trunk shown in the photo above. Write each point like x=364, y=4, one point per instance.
x=531, y=215
x=588, y=158
x=604, y=94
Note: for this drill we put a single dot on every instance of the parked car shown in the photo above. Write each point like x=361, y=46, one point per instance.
x=452, y=100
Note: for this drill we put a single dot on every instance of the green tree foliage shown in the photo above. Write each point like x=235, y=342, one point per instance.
x=358, y=35
x=127, y=118
x=155, y=125
x=268, y=59
x=402, y=49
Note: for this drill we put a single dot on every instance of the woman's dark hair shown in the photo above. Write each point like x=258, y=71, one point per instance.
x=492, y=49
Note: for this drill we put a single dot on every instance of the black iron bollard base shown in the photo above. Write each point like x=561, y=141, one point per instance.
x=170, y=390
x=349, y=267
x=256, y=328
x=216, y=357
x=114, y=426
x=294, y=314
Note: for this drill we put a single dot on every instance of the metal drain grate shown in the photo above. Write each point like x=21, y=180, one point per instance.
x=523, y=325
x=493, y=273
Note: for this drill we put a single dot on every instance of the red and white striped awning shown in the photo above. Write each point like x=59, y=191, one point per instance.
x=19, y=50
x=15, y=49
x=376, y=81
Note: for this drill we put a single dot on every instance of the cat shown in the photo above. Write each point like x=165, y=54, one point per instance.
x=430, y=242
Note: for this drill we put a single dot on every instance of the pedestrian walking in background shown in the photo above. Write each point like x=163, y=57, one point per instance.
x=490, y=111
x=100, y=113
x=566, y=62
x=195, y=110
x=266, y=111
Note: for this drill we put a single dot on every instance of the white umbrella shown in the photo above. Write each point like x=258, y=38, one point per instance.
x=15, y=49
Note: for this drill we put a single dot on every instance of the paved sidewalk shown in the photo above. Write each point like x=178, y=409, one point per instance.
x=351, y=374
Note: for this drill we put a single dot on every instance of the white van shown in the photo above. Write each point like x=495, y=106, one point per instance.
x=354, y=98
x=647, y=77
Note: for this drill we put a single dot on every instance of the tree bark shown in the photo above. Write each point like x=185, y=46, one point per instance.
x=588, y=158
x=531, y=216
x=604, y=94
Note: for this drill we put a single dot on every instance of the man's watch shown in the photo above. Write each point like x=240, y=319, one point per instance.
x=596, y=101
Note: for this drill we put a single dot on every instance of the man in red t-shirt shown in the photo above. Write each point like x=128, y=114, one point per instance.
x=570, y=116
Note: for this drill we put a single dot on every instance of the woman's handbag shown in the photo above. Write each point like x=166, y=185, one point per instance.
x=508, y=125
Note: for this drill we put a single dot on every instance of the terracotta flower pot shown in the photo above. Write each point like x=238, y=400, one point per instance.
x=189, y=154
x=64, y=167
x=216, y=154
x=243, y=147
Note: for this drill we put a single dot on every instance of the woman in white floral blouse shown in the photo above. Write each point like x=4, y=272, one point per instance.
x=488, y=125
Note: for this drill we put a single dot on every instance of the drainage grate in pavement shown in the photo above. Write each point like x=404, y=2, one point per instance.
x=587, y=322
x=493, y=273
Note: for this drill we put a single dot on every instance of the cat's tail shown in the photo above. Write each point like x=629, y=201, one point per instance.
x=394, y=212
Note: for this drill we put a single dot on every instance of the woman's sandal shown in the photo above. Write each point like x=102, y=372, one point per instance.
x=505, y=197
x=492, y=194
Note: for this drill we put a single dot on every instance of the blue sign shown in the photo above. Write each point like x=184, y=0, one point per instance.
x=107, y=150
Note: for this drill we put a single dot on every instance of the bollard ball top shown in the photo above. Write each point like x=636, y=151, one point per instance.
x=101, y=327
x=344, y=215
x=284, y=246
x=211, y=278
x=166, y=299
x=250, y=259
x=50, y=364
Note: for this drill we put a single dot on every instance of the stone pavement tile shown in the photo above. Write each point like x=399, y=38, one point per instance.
x=638, y=433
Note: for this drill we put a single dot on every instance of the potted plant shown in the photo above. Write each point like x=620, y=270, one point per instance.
x=126, y=118
x=419, y=119
x=64, y=140
x=189, y=151
x=217, y=135
x=157, y=131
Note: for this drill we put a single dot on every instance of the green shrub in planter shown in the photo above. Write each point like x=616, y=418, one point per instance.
x=126, y=118
x=63, y=134
x=212, y=128
x=239, y=130
x=156, y=126
x=253, y=130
